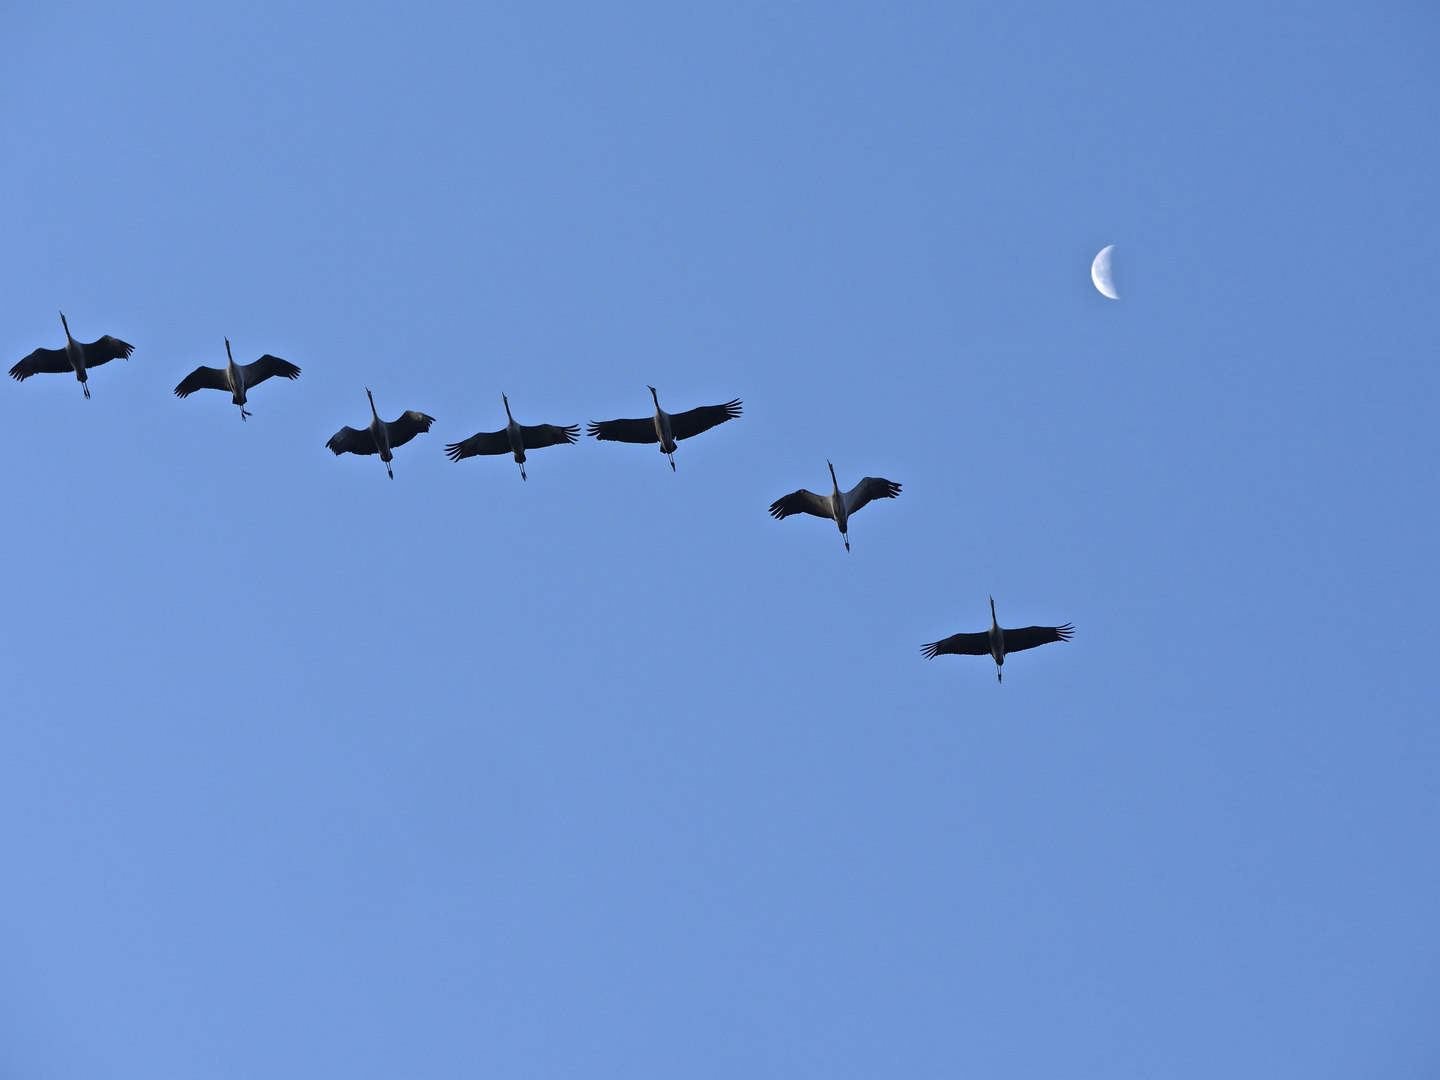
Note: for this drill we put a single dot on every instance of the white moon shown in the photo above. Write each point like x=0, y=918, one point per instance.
x=1100, y=273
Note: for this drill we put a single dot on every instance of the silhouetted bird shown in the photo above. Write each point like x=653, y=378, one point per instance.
x=236, y=378
x=380, y=438
x=665, y=428
x=838, y=505
x=75, y=356
x=513, y=439
x=998, y=643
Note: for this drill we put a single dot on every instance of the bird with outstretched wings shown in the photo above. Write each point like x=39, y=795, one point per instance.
x=209, y=378
x=1018, y=640
x=55, y=362
x=535, y=437
x=685, y=425
x=349, y=440
x=997, y=642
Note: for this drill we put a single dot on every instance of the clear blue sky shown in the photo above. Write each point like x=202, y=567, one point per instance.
x=308, y=773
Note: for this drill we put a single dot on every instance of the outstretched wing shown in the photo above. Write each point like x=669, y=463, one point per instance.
x=482, y=442
x=349, y=441
x=407, y=427
x=267, y=366
x=1028, y=637
x=686, y=424
x=549, y=435
x=869, y=488
x=106, y=349
x=41, y=361
x=959, y=645
x=633, y=431
x=202, y=378
x=801, y=502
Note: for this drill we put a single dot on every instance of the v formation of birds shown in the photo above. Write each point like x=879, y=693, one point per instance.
x=383, y=437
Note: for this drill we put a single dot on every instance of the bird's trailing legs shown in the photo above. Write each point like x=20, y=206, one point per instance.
x=243, y=413
x=522, y=471
x=86, y=387
x=846, y=538
x=672, y=461
x=389, y=471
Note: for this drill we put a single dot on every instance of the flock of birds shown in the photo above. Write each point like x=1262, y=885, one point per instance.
x=383, y=437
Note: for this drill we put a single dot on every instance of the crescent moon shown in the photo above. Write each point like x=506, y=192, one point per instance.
x=1100, y=273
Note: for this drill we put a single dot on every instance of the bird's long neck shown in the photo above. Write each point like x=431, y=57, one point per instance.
x=655, y=398
x=507, y=408
x=834, y=484
x=66, y=325
x=374, y=415
x=228, y=356
x=994, y=625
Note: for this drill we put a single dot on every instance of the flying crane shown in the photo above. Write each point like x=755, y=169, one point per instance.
x=996, y=642
x=75, y=356
x=236, y=378
x=379, y=437
x=513, y=439
x=665, y=428
x=838, y=505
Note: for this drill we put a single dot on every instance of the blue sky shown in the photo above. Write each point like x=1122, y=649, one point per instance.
x=308, y=773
